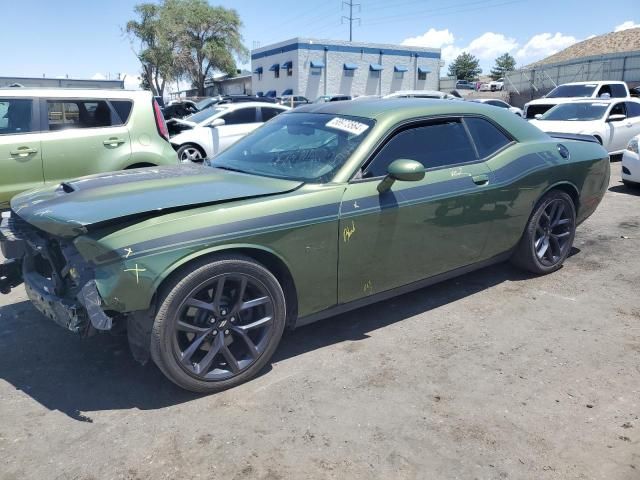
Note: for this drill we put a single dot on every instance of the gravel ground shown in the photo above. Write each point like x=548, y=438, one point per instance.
x=492, y=375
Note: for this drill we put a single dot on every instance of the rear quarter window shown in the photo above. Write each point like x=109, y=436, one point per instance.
x=487, y=137
x=123, y=109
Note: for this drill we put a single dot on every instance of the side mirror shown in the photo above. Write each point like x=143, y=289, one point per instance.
x=218, y=122
x=616, y=117
x=404, y=170
x=537, y=116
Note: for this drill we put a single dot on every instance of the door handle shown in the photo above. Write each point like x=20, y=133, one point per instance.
x=480, y=179
x=113, y=142
x=23, y=151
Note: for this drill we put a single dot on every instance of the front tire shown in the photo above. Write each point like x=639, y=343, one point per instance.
x=548, y=237
x=218, y=324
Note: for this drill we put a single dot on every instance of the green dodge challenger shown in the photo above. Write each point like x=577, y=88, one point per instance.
x=323, y=209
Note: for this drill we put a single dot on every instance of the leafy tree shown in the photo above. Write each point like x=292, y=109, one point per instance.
x=209, y=38
x=465, y=67
x=154, y=41
x=504, y=63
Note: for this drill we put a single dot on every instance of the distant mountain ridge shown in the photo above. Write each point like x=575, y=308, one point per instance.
x=614, y=42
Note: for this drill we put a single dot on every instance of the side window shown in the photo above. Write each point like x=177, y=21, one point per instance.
x=633, y=109
x=618, y=109
x=438, y=144
x=487, y=137
x=123, y=109
x=618, y=90
x=241, y=115
x=268, y=113
x=15, y=115
x=605, y=91
x=64, y=114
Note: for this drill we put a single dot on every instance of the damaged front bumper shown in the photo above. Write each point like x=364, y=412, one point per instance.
x=58, y=281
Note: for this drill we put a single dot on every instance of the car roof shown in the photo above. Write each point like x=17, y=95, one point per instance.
x=484, y=100
x=595, y=82
x=235, y=106
x=18, y=92
x=416, y=92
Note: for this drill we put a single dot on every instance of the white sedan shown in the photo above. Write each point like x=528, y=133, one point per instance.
x=631, y=163
x=212, y=130
x=496, y=102
x=613, y=122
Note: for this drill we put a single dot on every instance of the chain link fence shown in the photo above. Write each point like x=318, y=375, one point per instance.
x=528, y=84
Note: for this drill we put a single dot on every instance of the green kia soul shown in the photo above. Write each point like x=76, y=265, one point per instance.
x=48, y=135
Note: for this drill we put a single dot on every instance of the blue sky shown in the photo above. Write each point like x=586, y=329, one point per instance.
x=84, y=38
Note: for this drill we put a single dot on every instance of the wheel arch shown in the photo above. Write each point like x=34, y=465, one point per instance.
x=567, y=187
x=268, y=258
x=140, y=165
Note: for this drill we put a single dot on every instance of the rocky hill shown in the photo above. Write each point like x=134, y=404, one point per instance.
x=614, y=42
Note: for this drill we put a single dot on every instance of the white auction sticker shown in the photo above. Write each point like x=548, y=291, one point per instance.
x=349, y=126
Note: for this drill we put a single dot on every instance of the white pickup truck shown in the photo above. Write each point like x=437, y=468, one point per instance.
x=576, y=90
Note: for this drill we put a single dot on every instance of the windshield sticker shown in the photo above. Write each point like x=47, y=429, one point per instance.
x=349, y=126
x=599, y=104
x=591, y=85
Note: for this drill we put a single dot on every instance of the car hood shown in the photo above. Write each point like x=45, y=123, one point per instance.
x=565, y=127
x=70, y=208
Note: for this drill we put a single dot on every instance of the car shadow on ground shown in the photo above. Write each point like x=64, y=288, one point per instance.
x=635, y=191
x=79, y=376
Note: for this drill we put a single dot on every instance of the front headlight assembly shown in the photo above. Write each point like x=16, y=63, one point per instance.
x=633, y=145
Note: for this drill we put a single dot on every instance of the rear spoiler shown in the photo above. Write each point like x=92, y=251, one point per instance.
x=574, y=136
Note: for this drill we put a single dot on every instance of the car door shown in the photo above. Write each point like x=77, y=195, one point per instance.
x=20, y=150
x=632, y=122
x=617, y=131
x=81, y=137
x=237, y=123
x=415, y=229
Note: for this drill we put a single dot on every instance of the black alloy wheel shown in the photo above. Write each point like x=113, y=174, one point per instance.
x=218, y=323
x=548, y=236
x=223, y=326
x=554, y=230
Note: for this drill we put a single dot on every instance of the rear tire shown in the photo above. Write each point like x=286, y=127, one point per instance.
x=549, y=235
x=218, y=324
x=192, y=152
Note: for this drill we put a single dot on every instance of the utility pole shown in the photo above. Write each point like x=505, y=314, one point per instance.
x=350, y=18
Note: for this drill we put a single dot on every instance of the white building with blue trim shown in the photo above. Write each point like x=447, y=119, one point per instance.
x=313, y=67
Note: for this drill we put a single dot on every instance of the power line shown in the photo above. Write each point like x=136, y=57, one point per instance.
x=438, y=12
x=350, y=18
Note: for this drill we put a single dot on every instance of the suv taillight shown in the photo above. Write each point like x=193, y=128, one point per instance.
x=160, y=123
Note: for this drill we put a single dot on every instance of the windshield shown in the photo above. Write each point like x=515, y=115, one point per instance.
x=205, y=114
x=576, y=112
x=572, y=91
x=206, y=103
x=297, y=146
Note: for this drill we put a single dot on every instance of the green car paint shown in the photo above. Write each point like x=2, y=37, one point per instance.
x=340, y=241
x=34, y=153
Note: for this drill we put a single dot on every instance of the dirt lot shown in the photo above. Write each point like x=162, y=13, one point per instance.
x=492, y=375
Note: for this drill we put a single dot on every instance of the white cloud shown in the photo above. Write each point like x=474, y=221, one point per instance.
x=98, y=76
x=544, y=44
x=486, y=47
x=490, y=45
x=432, y=38
x=131, y=81
x=626, y=26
